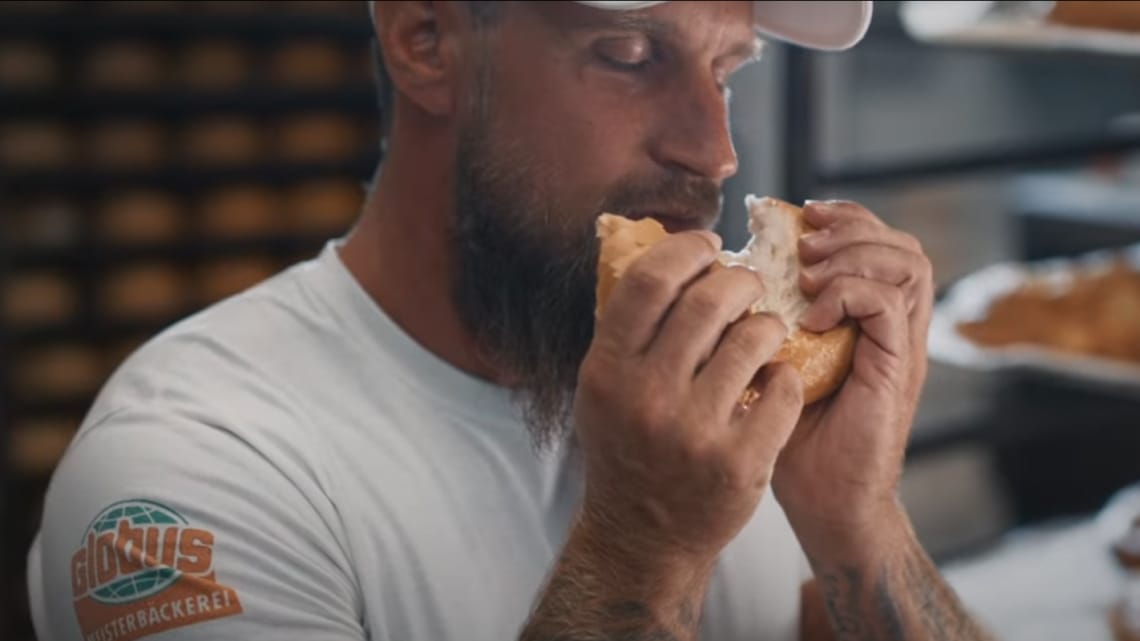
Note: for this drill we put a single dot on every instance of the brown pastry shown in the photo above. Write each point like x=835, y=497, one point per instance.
x=27, y=66
x=58, y=371
x=214, y=64
x=318, y=138
x=1111, y=15
x=127, y=145
x=124, y=65
x=140, y=216
x=309, y=64
x=223, y=141
x=153, y=292
x=35, y=144
x=323, y=206
x=1097, y=314
x=41, y=298
x=240, y=211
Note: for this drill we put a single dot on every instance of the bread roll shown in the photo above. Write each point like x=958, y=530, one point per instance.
x=127, y=145
x=27, y=66
x=823, y=360
x=222, y=279
x=124, y=65
x=140, y=216
x=148, y=292
x=35, y=446
x=58, y=372
x=309, y=64
x=42, y=298
x=241, y=211
x=213, y=65
x=323, y=206
x=35, y=145
x=318, y=138
x=224, y=141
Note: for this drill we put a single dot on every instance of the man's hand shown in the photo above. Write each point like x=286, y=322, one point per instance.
x=837, y=477
x=840, y=469
x=674, y=465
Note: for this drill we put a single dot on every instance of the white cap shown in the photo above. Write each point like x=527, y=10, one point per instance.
x=831, y=25
x=826, y=25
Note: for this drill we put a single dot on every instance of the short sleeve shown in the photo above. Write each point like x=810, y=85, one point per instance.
x=161, y=527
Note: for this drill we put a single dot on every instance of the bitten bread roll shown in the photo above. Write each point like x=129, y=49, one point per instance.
x=823, y=360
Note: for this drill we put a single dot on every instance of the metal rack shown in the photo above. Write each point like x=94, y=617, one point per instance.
x=84, y=260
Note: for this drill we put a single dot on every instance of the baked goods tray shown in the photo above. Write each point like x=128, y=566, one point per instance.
x=969, y=299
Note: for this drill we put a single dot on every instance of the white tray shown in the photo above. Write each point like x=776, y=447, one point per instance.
x=969, y=298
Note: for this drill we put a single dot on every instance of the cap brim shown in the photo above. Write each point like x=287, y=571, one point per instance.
x=825, y=25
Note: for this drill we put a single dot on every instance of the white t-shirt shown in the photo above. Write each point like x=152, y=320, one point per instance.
x=290, y=465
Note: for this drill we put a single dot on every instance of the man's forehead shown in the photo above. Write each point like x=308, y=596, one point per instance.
x=672, y=20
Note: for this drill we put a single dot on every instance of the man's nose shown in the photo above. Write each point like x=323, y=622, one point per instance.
x=694, y=133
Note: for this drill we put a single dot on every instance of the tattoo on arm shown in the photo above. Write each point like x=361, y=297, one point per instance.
x=904, y=601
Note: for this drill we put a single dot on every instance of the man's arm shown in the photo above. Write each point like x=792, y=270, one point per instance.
x=602, y=590
x=892, y=591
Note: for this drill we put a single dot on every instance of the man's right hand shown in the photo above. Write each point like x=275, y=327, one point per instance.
x=674, y=465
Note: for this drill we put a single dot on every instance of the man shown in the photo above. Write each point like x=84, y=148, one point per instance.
x=424, y=433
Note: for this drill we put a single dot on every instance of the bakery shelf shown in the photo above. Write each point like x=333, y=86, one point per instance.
x=182, y=178
x=91, y=332
x=1011, y=157
x=106, y=254
x=358, y=98
x=80, y=25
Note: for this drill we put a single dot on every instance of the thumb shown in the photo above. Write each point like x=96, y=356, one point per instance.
x=769, y=421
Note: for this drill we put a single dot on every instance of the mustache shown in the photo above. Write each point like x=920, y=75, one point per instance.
x=676, y=194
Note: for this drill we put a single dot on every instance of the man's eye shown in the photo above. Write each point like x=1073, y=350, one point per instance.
x=625, y=54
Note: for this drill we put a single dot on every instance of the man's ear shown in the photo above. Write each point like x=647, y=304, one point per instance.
x=421, y=43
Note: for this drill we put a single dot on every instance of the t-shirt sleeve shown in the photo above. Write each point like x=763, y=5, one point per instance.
x=166, y=528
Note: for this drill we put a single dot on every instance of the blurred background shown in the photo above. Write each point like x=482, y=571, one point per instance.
x=158, y=156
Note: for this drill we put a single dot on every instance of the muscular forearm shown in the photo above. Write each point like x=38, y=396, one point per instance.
x=599, y=591
x=890, y=591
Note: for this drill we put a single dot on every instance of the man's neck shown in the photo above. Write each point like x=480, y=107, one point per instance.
x=400, y=254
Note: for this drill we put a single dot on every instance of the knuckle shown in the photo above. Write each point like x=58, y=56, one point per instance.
x=645, y=283
x=703, y=302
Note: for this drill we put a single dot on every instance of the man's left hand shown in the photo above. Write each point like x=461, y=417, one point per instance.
x=839, y=472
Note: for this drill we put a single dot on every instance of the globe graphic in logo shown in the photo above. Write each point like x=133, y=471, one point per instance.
x=150, y=580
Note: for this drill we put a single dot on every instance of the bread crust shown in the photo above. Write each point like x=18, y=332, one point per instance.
x=823, y=360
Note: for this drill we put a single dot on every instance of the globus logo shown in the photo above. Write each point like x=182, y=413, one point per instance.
x=142, y=568
x=134, y=549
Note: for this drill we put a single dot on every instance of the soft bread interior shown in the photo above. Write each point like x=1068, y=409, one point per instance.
x=775, y=229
